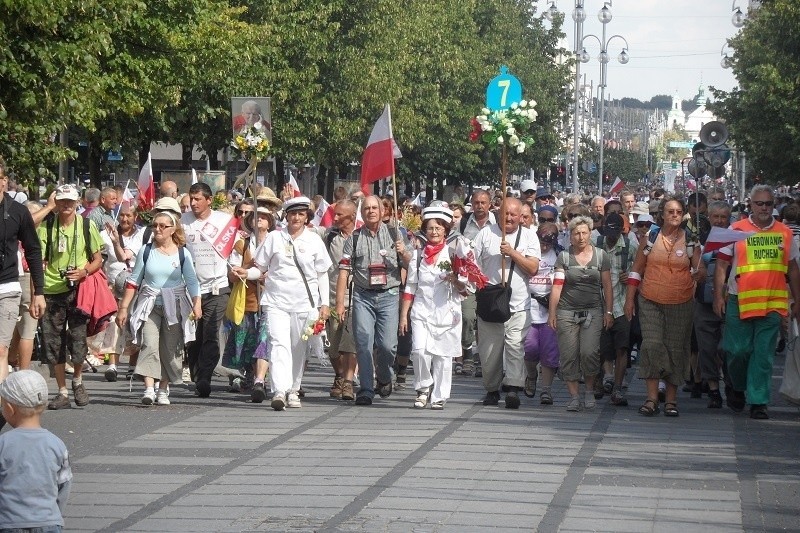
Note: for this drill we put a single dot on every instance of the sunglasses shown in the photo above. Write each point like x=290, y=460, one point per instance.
x=643, y=224
x=572, y=215
x=529, y=192
x=545, y=219
x=161, y=227
x=762, y=203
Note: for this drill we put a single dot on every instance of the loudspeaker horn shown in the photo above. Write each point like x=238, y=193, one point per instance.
x=714, y=134
x=697, y=168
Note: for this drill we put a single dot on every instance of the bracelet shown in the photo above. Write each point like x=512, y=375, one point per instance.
x=610, y=313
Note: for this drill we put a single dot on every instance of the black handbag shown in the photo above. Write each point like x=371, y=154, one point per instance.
x=493, y=302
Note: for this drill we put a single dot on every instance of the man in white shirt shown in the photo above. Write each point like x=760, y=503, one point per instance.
x=212, y=273
x=519, y=245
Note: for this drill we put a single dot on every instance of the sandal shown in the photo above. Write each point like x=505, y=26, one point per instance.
x=649, y=408
x=671, y=409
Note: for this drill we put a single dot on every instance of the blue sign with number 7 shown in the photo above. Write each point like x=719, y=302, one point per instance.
x=503, y=91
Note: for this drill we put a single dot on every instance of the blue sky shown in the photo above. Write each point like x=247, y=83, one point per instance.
x=674, y=44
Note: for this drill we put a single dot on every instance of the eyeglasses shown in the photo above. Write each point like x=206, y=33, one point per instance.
x=161, y=226
x=572, y=215
x=544, y=219
x=643, y=224
x=762, y=203
x=431, y=229
x=675, y=212
x=245, y=212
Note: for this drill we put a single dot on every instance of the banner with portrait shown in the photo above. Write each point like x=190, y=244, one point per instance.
x=247, y=110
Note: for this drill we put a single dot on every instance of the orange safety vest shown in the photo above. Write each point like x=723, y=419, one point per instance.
x=762, y=263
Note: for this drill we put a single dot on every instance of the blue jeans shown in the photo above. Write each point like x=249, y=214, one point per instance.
x=375, y=321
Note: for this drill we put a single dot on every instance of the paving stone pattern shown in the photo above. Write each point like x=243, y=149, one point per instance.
x=224, y=464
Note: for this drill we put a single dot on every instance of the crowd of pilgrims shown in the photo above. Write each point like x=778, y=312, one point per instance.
x=596, y=285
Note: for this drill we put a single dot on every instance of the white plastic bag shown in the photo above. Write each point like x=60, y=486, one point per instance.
x=790, y=386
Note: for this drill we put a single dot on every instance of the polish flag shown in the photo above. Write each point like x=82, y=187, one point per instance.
x=616, y=186
x=222, y=236
x=147, y=189
x=127, y=197
x=359, y=218
x=295, y=187
x=323, y=216
x=377, y=163
x=722, y=237
x=194, y=176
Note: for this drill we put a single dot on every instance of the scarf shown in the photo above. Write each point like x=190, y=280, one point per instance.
x=431, y=251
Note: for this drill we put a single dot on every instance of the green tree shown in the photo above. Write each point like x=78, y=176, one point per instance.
x=763, y=112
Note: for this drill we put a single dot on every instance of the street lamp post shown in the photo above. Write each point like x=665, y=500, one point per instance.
x=578, y=16
x=605, y=17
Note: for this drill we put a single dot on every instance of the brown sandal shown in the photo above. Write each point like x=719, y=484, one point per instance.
x=649, y=407
x=671, y=409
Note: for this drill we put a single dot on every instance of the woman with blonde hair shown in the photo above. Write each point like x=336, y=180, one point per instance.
x=162, y=319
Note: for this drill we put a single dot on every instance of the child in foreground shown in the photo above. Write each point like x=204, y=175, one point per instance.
x=35, y=476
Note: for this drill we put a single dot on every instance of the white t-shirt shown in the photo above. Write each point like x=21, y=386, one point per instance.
x=284, y=287
x=487, y=255
x=541, y=284
x=112, y=266
x=212, y=270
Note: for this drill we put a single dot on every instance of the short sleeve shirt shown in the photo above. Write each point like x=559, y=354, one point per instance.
x=487, y=255
x=371, y=249
x=67, y=249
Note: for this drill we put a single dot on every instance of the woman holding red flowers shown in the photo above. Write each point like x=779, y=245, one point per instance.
x=436, y=293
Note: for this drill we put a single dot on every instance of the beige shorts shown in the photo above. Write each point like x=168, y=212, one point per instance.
x=26, y=327
x=9, y=311
x=340, y=336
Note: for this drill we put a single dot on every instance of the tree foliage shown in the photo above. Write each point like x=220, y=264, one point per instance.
x=124, y=73
x=763, y=112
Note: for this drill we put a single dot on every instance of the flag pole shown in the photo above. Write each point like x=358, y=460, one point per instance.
x=126, y=188
x=394, y=198
x=502, y=221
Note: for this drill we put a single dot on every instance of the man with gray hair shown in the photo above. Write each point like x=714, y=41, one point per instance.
x=104, y=212
x=757, y=301
x=168, y=189
x=91, y=197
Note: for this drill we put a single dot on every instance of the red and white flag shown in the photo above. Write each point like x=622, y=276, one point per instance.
x=616, y=186
x=194, y=176
x=722, y=237
x=294, y=185
x=147, y=189
x=323, y=216
x=221, y=236
x=377, y=163
x=127, y=197
x=359, y=218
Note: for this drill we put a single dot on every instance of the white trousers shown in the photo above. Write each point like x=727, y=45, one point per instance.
x=288, y=355
x=433, y=370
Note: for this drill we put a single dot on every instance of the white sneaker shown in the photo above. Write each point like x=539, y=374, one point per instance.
x=149, y=397
x=293, y=400
x=162, y=398
x=279, y=401
x=422, y=399
x=186, y=376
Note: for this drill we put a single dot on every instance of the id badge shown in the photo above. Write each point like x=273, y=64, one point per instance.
x=62, y=244
x=377, y=274
x=214, y=290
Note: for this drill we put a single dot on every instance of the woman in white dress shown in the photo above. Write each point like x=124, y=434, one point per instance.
x=436, y=293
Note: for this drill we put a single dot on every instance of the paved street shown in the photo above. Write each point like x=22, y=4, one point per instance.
x=225, y=464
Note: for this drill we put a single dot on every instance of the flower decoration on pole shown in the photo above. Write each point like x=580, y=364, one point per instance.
x=252, y=143
x=507, y=127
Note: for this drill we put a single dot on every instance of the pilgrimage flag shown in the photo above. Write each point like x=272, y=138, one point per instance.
x=377, y=162
x=616, y=186
x=147, y=189
x=722, y=237
x=323, y=216
x=294, y=185
x=221, y=233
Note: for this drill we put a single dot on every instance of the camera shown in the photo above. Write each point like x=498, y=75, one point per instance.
x=63, y=273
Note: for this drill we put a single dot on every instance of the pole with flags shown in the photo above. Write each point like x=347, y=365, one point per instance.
x=377, y=163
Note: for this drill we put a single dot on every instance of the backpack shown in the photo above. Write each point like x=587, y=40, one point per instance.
x=51, y=221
